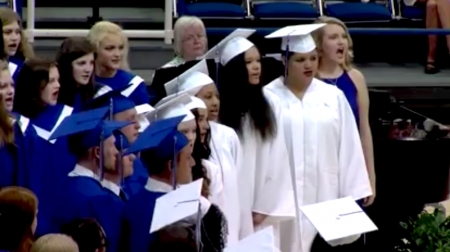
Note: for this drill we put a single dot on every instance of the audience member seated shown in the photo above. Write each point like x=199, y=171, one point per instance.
x=54, y=243
x=18, y=210
x=88, y=234
x=437, y=14
x=190, y=40
x=174, y=238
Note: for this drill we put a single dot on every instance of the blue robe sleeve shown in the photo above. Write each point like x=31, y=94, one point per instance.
x=134, y=183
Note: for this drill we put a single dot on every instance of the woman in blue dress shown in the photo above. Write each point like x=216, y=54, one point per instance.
x=111, y=63
x=37, y=90
x=16, y=46
x=17, y=139
x=75, y=60
x=335, y=47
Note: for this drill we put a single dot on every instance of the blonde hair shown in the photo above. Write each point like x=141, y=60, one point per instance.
x=318, y=38
x=8, y=16
x=54, y=243
x=100, y=30
x=180, y=27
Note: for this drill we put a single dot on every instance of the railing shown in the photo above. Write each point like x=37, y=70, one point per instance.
x=32, y=32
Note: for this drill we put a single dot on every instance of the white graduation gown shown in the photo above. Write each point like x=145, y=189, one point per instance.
x=225, y=152
x=264, y=176
x=214, y=174
x=325, y=154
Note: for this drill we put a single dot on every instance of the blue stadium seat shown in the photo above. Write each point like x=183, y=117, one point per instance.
x=210, y=9
x=411, y=12
x=359, y=12
x=285, y=10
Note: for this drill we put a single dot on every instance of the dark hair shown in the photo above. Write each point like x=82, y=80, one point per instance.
x=174, y=238
x=71, y=49
x=32, y=79
x=201, y=151
x=18, y=208
x=238, y=97
x=3, y=54
x=87, y=233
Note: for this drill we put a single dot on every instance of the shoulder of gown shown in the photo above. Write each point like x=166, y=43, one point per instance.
x=216, y=186
x=174, y=62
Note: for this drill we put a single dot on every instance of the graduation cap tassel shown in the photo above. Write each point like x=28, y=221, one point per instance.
x=174, y=165
x=111, y=107
x=120, y=159
x=217, y=61
x=286, y=58
x=198, y=229
x=101, y=155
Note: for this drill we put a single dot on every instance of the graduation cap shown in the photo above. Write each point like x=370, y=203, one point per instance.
x=191, y=81
x=196, y=103
x=232, y=45
x=261, y=241
x=172, y=106
x=142, y=111
x=296, y=38
x=339, y=221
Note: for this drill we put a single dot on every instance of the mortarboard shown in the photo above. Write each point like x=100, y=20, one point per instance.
x=232, y=45
x=191, y=81
x=339, y=221
x=172, y=106
x=296, y=38
x=261, y=241
x=142, y=111
x=90, y=126
x=196, y=103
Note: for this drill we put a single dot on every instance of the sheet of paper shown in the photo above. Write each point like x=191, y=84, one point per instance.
x=176, y=205
x=340, y=218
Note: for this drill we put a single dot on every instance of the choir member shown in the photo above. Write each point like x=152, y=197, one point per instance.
x=75, y=59
x=224, y=144
x=18, y=210
x=88, y=234
x=18, y=139
x=190, y=40
x=16, y=46
x=54, y=243
x=111, y=63
x=203, y=168
x=325, y=152
x=123, y=109
x=334, y=45
x=167, y=173
x=80, y=194
x=37, y=90
x=264, y=177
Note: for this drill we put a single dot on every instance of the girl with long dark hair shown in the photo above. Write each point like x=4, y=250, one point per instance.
x=75, y=60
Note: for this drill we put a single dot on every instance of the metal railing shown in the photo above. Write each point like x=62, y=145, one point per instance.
x=32, y=32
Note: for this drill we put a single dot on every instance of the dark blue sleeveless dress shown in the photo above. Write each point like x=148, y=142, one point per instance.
x=345, y=83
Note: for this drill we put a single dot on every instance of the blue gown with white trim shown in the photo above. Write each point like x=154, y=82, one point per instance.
x=134, y=183
x=137, y=91
x=84, y=197
x=14, y=65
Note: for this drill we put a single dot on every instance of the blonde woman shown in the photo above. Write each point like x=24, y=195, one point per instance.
x=335, y=55
x=16, y=46
x=54, y=243
x=111, y=63
x=190, y=40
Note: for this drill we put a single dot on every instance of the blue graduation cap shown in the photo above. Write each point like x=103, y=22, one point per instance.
x=90, y=127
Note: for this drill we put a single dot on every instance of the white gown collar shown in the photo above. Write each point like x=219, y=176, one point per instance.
x=154, y=185
x=80, y=171
x=111, y=186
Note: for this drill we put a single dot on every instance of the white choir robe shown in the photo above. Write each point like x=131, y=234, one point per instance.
x=215, y=176
x=264, y=176
x=225, y=152
x=325, y=154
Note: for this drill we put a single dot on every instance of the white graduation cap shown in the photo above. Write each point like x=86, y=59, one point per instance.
x=231, y=46
x=191, y=80
x=339, y=220
x=196, y=103
x=172, y=106
x=142, y=111
x=261, y=241
x=177, y=205
x=297, y=38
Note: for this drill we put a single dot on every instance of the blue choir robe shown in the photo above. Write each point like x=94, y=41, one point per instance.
x=81, y=195
x=137, y=91
x=14, y=65
x=78, y=104
x=134, y=183
x=57, y=159
x=137, y=218
x=20, y=162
